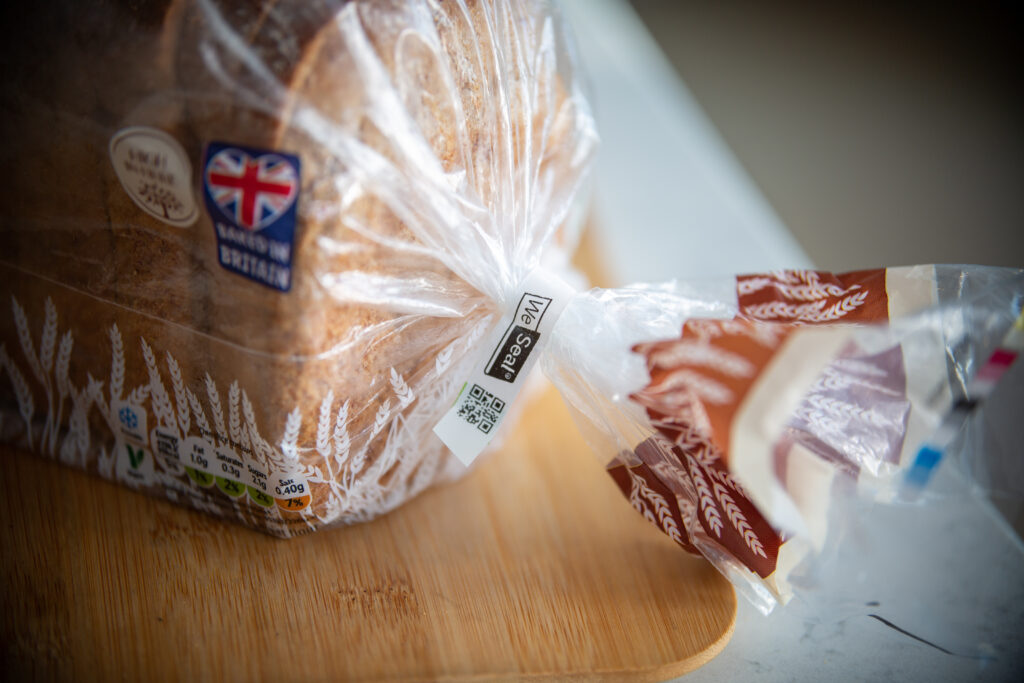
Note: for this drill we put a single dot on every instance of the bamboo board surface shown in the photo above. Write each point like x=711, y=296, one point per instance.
x=533, y=565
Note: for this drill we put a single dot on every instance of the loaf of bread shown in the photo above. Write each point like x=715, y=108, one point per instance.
x=249, y=247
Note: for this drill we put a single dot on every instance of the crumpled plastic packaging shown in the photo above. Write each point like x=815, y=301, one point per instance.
x=754, y=410
x=276, y=238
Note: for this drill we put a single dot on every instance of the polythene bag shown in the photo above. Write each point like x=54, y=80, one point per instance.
x=815, y=435
x=249, y=247
x=281, y=360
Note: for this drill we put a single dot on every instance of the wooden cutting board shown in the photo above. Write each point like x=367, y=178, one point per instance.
x=533, y=565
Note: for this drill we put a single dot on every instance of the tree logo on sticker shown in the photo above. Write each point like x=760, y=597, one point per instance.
x=155, y=171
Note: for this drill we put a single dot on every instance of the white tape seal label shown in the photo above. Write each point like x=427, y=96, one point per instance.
x=514, y=347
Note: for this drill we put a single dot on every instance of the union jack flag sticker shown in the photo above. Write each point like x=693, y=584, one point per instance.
x=252, y=196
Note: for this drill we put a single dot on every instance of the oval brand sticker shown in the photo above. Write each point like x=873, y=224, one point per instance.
x=155, y=172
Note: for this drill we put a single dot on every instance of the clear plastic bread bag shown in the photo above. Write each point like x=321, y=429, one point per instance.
x=251, y=247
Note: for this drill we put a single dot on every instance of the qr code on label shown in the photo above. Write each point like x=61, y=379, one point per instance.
x=481, y=408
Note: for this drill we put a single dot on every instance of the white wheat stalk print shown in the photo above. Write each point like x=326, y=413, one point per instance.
x=80, y=422
x=848, y=413
x=290, y=439
x=25, y=338
x=692, y=382
x=671, y=473
x=805, y=287
x=161, y=401
x=47, y=345
x=67, y=342
x=323, y=428
x=379, y=422
x=48, y=342
x=402, y=390
x=22, y=393
x=260, y=448
x=773, y=310
x=138, y=395
x=839, y=309
x=34, y=362
x=443, y=359
x=237, y=433
x=381, y=419
x=179, y=393
x=216, y=410
x=475, y=333
x=63, y=383
x=661, y=507
x=738, y=520
x=353, y=461
x=197, y=411
x=726, y=479
x=707, y=502
x=702, y=353
x=634, y=498
x=324, y=445
x=810, y=290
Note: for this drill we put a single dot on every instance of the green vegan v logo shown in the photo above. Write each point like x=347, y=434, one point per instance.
x=135, y=456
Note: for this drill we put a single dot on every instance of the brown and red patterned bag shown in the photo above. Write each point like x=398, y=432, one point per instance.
x=766, y=404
